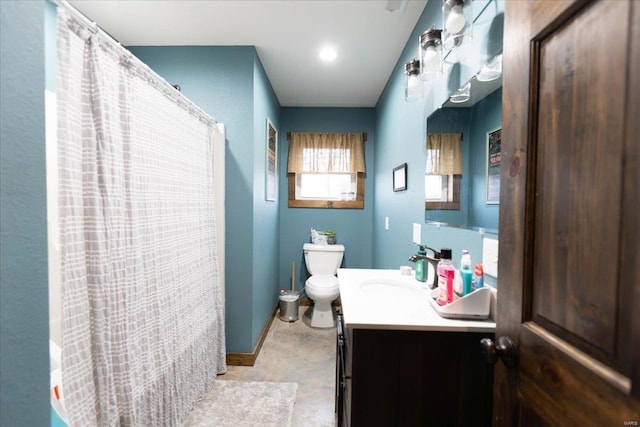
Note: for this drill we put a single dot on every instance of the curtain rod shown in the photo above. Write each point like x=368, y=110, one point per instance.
x=169, y=90
x=364, y=136
x=461, y=134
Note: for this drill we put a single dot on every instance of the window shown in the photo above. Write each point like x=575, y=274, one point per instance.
x=326, y=170
x=326, y=186
x=435, y=188
x=442, y=191
x=443, y=171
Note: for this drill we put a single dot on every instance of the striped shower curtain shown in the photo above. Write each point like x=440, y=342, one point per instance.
x=142, y=315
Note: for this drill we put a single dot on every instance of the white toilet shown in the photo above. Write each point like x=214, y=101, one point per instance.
x=322, y=262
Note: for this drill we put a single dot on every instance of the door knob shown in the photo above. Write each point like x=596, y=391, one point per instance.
x=505, y=350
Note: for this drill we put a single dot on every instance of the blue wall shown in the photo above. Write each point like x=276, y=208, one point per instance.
x=24, y=311
x=230, y=84
x=401, y=132
x=266, y=231
x=353, y=226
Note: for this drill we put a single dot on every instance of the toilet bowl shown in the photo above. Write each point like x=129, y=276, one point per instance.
x=322, y=290
x=322, y=262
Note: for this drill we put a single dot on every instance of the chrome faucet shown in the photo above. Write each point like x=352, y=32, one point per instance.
x=431, y=260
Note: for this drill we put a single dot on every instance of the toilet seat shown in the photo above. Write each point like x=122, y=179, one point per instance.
x=322, y=286
x=322, y=281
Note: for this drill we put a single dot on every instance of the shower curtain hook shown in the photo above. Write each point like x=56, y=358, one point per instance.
x=125, y=58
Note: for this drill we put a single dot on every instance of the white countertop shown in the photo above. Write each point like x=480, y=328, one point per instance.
x=401, y=305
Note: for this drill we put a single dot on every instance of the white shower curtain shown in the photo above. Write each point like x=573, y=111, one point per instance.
x=143, y=320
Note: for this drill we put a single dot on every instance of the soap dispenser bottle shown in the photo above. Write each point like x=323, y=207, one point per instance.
x=421, y=265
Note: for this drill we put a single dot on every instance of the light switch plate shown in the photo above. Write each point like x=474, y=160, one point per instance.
x=490, y=257
x=386, y=223
x=417, y=233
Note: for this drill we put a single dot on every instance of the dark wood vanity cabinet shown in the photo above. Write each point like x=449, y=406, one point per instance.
x=414, y=378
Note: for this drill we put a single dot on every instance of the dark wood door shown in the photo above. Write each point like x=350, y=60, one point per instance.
x=569, y=263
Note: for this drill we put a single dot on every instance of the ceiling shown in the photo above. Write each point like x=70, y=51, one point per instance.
x=287, y=35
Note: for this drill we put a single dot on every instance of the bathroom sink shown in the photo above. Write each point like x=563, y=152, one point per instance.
x=388, y=299
x=377, y=286
x=390, y=292
x=393, y=296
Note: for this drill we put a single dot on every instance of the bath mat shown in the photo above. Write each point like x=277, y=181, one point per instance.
x=245, y=403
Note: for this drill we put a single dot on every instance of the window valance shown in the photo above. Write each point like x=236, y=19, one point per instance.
x=326, y=152
x=444, y=155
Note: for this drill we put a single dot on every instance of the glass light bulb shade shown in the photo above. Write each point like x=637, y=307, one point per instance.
x=412, y=82
x=430, y=54
x=491, y=70
x=412, y=87
x=431, y=64
x=457, y=19
x=461, y=95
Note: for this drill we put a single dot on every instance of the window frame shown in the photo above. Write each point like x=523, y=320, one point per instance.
x=358, y=203
x=454, y=201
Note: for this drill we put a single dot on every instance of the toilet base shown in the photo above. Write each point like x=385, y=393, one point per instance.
x=322, y=315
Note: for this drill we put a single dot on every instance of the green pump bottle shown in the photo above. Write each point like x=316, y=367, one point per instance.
x=421, y=265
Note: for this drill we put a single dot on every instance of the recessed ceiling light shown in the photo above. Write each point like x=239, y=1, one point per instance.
x=328, y=53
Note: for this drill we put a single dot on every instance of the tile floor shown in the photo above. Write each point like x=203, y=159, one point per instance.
x=295, y=352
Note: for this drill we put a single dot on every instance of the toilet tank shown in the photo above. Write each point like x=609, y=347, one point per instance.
x=323, y=259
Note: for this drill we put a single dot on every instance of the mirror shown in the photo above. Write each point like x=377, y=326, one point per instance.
x=479, y=121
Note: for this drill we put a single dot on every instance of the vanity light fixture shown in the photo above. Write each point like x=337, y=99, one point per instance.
x=412, y=82
x=491, y=70
x=462, y=95
x=457, y=22
x=431, y=54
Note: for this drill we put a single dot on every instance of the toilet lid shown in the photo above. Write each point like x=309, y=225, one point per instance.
x=323, y=281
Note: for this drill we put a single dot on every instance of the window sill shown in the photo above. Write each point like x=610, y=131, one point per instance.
x=327, y=204
x=444, y=206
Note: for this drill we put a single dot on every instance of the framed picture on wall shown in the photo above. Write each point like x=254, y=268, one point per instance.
x=271, y=170
x=400, y=177
x=494, y=158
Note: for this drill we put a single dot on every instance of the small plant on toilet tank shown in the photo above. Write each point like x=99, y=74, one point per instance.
x=331, y=236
